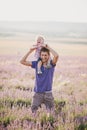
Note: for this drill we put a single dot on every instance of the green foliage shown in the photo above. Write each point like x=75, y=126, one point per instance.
x=28, y=118
x=23, y=102
x=59, y=104
x=1, y=87
x=8, y=102
x=21, y=87
x=81, y=103
x=6, y=120
x=50, y=119
x=1, y=104
x=81, y=127
x=44, y=119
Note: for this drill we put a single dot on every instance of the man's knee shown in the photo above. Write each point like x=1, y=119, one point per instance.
x=34, y=108
x=49, y=101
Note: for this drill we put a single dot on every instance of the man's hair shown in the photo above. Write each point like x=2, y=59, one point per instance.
x=43, y=49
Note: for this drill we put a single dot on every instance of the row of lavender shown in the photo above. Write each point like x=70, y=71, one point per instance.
x=16, y=91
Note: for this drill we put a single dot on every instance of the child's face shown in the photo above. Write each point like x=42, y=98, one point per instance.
x=40, y=41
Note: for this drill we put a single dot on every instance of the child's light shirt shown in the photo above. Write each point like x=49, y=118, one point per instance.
x=37, y=52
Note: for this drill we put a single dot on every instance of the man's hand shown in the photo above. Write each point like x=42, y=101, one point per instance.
x=44, y=45
x=34, y=47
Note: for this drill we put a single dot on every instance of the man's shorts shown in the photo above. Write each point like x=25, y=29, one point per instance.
x=39, y=98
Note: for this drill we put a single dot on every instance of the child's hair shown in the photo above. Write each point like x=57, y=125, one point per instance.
x=44, y=50
x=41, y=37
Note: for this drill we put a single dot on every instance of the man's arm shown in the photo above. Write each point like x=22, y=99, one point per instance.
x=24, y=59
x=54, y=53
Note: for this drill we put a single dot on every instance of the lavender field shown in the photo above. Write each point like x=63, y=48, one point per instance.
x=69, y=89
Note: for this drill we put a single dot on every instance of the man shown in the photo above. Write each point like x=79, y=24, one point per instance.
x=43, y=82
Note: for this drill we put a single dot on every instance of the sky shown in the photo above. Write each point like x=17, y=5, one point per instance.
x=44, y=10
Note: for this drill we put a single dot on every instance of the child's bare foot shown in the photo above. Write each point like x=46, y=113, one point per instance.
x=39, y=72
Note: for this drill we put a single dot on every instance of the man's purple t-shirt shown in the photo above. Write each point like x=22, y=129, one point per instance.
x=43, y=82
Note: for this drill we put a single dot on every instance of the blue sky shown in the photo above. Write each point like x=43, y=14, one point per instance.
x=43, y=10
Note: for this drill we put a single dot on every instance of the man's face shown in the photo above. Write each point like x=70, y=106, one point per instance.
x=44, y=56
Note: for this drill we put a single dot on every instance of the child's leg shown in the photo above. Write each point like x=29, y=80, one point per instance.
x=48, y=64
x=39, y=67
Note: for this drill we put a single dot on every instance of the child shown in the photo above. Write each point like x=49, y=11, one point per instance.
x=38, y=46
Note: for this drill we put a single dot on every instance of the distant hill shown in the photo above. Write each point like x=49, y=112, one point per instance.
x=55, y=29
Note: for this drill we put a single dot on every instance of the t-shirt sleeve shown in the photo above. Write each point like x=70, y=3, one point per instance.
x=34, y=64
x=52, y=64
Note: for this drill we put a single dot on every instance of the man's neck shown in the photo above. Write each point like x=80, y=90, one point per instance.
x=45, y=64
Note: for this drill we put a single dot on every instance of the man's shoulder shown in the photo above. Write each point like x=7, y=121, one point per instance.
x=53, y=65
x=34, y=64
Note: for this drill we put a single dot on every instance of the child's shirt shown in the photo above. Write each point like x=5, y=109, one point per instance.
x=37, y=52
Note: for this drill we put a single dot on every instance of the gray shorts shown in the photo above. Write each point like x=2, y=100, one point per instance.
x=39, y=98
